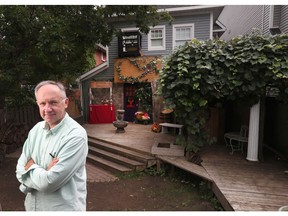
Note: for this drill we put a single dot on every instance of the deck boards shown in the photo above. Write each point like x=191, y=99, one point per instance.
x=186, y=165
x=240, y=185
x=248, y=186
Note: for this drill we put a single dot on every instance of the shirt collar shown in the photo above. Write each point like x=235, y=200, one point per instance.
x=57, y=127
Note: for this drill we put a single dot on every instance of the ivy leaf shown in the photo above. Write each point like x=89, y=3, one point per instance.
x=262, y=59
x=186, y=56
x=195, y=85
x=202, y=102
x=185, y=69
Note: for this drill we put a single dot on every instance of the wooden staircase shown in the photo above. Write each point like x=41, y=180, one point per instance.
x=116, y=158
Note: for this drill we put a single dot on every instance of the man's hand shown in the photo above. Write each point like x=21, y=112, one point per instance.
x=53, y=162
x=29, y=164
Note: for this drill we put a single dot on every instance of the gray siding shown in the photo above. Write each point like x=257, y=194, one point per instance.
x=201, y=32
x=277, y=16
x=284, y=19
x=266, y=19
x=241, y=20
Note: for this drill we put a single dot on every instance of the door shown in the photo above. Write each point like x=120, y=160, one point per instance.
x=130, y=102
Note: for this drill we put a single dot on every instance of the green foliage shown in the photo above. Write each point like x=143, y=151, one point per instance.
x=130, y=175
x=58, y=42
x=207, y=194
x=153, y=171
x=201, y=73
x=25, y=97
x=144, y=94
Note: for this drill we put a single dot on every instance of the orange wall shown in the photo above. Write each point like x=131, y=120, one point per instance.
x=127, y=69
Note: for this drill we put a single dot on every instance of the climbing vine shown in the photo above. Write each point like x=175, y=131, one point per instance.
x=144, y=68
x=201, y=73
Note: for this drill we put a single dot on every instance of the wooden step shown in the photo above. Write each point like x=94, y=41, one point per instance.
x=116, y=158
x=107, y=165
x=99, y=140
x=145, y=158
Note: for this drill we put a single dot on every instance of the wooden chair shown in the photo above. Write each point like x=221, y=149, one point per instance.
x=235, y=140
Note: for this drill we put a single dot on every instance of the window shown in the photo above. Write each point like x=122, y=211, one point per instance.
x=156, y=38
x=182, y=33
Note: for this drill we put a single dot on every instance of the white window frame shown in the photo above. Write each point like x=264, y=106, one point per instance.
x=184, y=26
x=163, y=47
x=129, y=29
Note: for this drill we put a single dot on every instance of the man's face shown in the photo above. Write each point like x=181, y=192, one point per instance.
x=51, y=104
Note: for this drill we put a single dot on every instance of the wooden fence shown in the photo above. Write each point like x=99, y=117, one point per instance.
x=15, y=124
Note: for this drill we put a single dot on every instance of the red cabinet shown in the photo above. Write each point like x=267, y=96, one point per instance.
x=101, y=113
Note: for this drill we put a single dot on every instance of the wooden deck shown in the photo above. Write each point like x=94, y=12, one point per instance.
x=239, y=185
x=187, y=166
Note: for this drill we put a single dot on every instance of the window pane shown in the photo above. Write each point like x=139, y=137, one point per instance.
x=178, y=33
x=187, y=33
x=156, y=33
x=183, y=33
x=156, y=38
x=178, y=43
x=156, y=42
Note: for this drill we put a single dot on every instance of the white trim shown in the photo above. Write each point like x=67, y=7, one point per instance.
x=190, y=8
x=102, y=57
x=211, y=25
x=221, y=25
x=271, y=18
x=192, y=25
x=129, y=29
x=101, y=46
x=93, y=72
x=150, y=47
x=107, y=56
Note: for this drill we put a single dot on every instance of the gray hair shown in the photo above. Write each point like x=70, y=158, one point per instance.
x=50, y=82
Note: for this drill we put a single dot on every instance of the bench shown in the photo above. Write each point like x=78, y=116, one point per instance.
x=165, y=127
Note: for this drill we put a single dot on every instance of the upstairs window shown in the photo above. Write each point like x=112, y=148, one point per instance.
x=156, y=38
x=182, y=33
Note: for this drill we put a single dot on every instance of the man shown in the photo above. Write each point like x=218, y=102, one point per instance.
x=51, y=168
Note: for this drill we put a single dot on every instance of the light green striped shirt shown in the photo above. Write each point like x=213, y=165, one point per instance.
x=63, y=187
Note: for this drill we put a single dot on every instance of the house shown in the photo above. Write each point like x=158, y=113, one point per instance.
x=243, y=19
x=135, y=57
x=268, y=119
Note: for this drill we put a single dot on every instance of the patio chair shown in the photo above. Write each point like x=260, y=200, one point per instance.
x=235, y=140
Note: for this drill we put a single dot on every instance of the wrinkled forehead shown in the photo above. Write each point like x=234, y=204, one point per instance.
x=49, y=92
